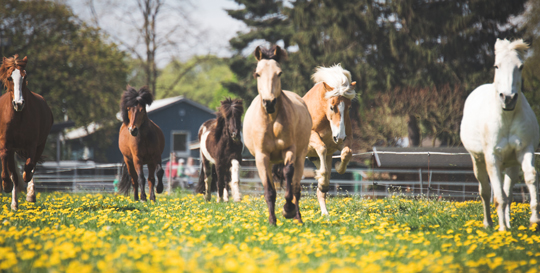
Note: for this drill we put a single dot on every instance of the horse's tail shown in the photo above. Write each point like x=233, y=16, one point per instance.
x=277, y=174
x=159, y=187
x=125, y=181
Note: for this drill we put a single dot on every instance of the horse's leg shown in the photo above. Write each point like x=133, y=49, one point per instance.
x=152, y=181
x=7, y=184
x=140, y=177
x=346, y=155
x=220, y=172
x=208, y=172
x=30, y=192
x=159, y=187
x=320, y=174
x=134, y=179
x=235, y=180
x=510, y=177
x=527, y=165
x=15, y=179
x=289, y=209
x=484, y=188
x=493, y=167
x=297, y=189
x=265, y=173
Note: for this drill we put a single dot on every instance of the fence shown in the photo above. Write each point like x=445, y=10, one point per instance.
x=367, y=182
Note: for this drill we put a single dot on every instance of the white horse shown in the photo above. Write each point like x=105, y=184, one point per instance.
x=500, y=131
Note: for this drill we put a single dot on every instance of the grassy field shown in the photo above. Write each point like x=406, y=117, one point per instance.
x=94, y=232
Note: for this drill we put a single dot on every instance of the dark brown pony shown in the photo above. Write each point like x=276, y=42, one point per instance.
x=141, y=142
x=25, y=123
x=221, y=151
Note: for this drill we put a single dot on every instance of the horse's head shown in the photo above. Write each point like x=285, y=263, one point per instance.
x=337, y=108
x=268, y=73
x=509, y=58
x=133, y=107
x=336, y=96
x=231, y=111
x=13, y=77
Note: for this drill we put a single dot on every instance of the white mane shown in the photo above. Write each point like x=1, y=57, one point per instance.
x=337, y=78
x=503, y=47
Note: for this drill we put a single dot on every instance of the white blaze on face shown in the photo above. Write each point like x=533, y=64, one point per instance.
x=17, y=86
x=339, y=131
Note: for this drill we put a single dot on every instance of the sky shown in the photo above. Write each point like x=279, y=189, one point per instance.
x=211, y=28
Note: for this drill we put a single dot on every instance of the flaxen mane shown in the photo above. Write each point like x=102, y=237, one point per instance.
x=337, y=78
x=505, y=46
x=132, y=97
x=229, y=108
x=8, y=65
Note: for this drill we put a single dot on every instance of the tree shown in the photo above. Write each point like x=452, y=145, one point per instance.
x=198, y=79
x=80, y=76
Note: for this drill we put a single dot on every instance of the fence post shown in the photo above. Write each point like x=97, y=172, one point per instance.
x=169, y=187
x=75, y=179
x=421, y=182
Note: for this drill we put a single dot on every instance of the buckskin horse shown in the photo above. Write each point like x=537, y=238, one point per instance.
x=500, y=131
x=25, y=123
x=221, y=151
x=329, y=102
x=141, y=142
x=277, y=126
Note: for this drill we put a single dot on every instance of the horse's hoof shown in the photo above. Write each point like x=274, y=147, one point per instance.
x=159, y=188
x=14, y=207
x=31, y=198
x=8, y=186
x=289, y=213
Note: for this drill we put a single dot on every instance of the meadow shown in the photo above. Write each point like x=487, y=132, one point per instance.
x=81, y=233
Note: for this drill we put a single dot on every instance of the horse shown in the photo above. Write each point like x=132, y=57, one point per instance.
x=25, y=123
x=221, y=151
x=328, y=103
x=277, y=128
x=141, y=142
x=500, y=131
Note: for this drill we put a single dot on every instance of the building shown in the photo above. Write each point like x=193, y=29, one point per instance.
x=179, y=119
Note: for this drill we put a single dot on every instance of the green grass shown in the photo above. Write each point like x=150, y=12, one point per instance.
x=94, y=232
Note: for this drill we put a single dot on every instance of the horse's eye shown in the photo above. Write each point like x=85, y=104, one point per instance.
x=520, y=67
x=496, y=67
x=256, y=75
x=10, y=79
x=279, y=74
x=331, y=108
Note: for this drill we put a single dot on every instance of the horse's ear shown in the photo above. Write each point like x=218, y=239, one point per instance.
x=25, y=58
x=279, y=54
x=353, y=84
x=258, y=53
x=327, y=87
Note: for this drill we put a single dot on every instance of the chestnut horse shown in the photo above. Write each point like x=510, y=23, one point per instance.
x=25, y=123
x=328, y=103
x=141, y=142
x=221, y=151
x=277, y=126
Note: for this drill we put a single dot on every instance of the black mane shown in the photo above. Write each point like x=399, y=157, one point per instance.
x=233, y=108
x=132, y=97
x=275, y=53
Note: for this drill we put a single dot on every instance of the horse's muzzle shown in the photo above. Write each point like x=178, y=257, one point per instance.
x=508, y=101
x=133, y=131
x=338, y=140
x=18, y=106
x=270, y=106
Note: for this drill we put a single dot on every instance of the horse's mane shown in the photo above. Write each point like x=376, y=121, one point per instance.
x=228, y=106
x=270, y=54
x=503, y=46
x=132, y=97
x=8, y=65
x=337, y=78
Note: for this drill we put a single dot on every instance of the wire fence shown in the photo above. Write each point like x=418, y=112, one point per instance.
x=366, y=182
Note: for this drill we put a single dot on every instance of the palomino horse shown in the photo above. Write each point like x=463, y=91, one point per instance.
x=500, y=131
x=328, y=103
x=276, y=130
x=141, y=142
x=221, y=151
x=25, y=123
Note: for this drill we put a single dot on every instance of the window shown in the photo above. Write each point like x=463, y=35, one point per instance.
x=180, y=143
